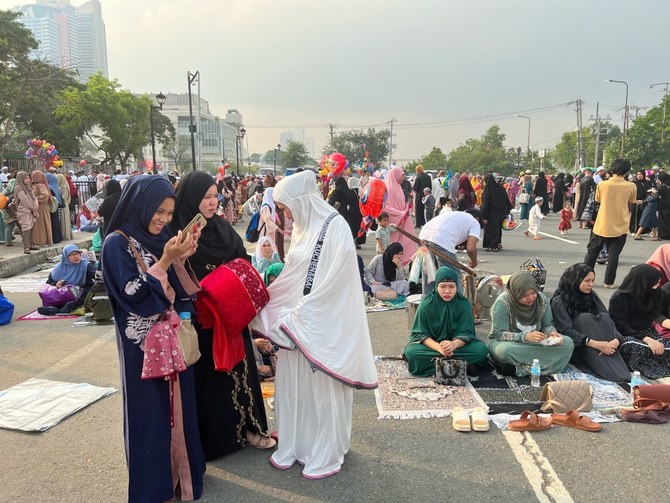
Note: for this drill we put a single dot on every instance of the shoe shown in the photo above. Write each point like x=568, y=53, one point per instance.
x=461, y=420
x=259, y=441
x=48, y=311
x=34, y=248
x=529, y=421
x=525, y=233
x=479, y=419
x=611, y=287
x=26, y=251
x=574, y=419
x=9, y=244
x=638, y=238
x=537, y=238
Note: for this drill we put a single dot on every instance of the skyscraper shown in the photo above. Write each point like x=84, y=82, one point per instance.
x=69, y=37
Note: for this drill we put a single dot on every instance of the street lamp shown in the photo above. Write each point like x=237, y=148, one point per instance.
x=160, y=99
x=191, y=77
x=274, y=169
x=625, y=113
x=665, y=95
x=238, y=148
x=528, y=141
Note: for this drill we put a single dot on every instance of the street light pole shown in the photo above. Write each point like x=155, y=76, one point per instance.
x=160, y=99
x=238, y=148
x=274, y=169
x=625, y=114
x=665, y=95
x=528, y=140
x=190, y=77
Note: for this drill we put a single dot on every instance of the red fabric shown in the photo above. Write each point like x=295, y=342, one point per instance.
x=230, y=298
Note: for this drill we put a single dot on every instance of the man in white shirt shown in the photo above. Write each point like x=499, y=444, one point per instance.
x=450, y=229
x=4, y=174
x=438, y=192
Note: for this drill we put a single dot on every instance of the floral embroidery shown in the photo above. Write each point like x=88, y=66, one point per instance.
x=133, y=286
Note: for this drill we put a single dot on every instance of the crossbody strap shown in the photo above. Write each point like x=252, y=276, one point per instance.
x=136, y=253
x=311, y=271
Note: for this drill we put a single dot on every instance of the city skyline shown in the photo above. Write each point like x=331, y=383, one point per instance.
x=445, y=70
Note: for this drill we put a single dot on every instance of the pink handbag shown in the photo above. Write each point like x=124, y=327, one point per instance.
x=163, y=356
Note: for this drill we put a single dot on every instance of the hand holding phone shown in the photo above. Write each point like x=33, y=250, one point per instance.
x=197, y=223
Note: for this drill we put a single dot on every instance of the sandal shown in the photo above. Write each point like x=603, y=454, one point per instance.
x=461, y=420
x=529, y=421
x=574, y=420
x=643, y=416
x=479, y=419
x=259, y=441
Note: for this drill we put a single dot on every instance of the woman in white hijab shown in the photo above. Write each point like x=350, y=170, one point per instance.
x=268, y=216
x=323, y=333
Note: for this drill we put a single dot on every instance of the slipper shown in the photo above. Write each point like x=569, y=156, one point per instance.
x=574, y=420
x=479, y=419
x=643, y=416
x=638, y=238
x=461, y=420
x=529, y=421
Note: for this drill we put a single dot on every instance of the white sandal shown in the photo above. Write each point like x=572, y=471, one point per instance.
x=461, y=420
x=480, y=419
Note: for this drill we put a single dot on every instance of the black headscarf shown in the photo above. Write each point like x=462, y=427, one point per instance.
x=575, y=301
x=390, y=268
x=218, y=243
x=639, y=284
x=642, y=185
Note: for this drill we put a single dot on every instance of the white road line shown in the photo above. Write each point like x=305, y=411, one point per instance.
x=559, y=239
x=543, y=479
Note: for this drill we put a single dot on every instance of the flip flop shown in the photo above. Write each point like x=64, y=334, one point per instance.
x=529, y=421
x=461, y=420
x=643, y=416
x=479, y=419
x=574, y=420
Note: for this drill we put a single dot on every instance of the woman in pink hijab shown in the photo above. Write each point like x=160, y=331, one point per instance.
x=660, y=259
x=399, y=212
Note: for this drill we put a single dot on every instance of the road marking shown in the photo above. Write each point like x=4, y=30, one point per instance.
x=543, y=479
x=560, y=239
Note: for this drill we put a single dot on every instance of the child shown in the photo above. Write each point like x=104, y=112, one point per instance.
x=534, y=218
x=649, y=219
x=566, y=218
x=428, y=203
x=383, y=232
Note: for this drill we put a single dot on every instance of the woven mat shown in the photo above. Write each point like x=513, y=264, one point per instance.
x=35, y=316
x=606, y=394
x=401, y=396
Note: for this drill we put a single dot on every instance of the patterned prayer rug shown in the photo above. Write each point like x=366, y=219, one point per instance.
x=34, y=315
x=402, y=396
x=606, y=394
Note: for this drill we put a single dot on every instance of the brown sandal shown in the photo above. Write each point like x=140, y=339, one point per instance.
x=529, y=421
x=643, y=416
x=259, y=441
x=574, y=420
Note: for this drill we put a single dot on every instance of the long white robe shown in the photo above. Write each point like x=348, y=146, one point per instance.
x=324, y=335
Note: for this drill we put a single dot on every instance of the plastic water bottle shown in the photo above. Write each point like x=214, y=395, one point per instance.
x=185, y=315
x=636, y=380
x=535, y=373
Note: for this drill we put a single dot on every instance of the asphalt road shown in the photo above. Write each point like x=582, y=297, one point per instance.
x=82, y=459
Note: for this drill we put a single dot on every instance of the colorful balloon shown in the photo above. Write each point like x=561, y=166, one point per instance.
x=83, y=163
x=371, y=204
x=336, y=163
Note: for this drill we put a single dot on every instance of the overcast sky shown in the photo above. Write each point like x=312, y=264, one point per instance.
x=308, y=63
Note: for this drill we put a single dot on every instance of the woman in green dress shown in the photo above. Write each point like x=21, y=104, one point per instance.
x=443, y=326
x=522, y=329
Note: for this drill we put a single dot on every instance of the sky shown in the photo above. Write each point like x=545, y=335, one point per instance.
x=445, y=70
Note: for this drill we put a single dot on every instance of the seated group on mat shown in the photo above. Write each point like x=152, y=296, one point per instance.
x=572, y=327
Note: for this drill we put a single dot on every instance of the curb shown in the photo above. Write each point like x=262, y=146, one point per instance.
x=18, y=262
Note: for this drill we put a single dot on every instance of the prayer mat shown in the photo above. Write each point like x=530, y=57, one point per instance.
x=377, y=306
x=39, y=404
x=34, y=315
x=402, y=396
x=606, y=394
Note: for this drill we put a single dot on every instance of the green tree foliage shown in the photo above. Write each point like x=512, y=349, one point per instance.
x=179, y=152
x=564, y=155
x=353, y=144
x=295, y=155
x=269, y=157
x=433, y=161
x=122, y=118
x=483, y=155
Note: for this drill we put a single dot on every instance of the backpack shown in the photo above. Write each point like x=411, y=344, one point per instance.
x=253, y=232
x=97, y=301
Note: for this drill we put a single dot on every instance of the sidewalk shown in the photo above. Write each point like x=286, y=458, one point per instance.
x=13, y=261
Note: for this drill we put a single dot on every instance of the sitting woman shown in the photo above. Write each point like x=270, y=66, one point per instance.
x=443, y=326
x=660, y=259
x=266, y=255
x=87, y=221
x=634, y=307
x=522, y=328
x=73, y=269
x=581, y=315
x=272, y=272
x=386, y=271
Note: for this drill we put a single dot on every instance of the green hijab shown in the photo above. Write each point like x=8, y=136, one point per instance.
x=441, y=320
x=519, y=283
x=273, y=270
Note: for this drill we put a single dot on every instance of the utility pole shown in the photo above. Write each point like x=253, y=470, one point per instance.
x=598, y=131
x=580, y=140
x=332, y=131
x=391, y=143
x=665, y=95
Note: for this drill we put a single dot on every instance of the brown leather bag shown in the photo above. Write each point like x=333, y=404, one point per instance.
x=659, y=392
x=562, y=396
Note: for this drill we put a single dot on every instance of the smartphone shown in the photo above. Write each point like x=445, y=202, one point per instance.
x=198, y=222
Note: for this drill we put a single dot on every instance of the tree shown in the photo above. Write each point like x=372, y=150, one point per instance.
x=295, y=154
x=564, y=155
x=483, y=155
x=434, y=161
x=269, y=157
x=353, y=144
x=179, y=150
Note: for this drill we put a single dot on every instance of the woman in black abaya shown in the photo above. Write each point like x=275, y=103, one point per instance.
x=495, y=207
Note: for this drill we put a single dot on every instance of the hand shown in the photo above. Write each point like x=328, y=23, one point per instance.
x=614, y=344
x=472, y=264
x=604, y=348
x=657, y=348
x=264, y=345
x=535, y=336
x=446, y=348
x=397, y=262
x=175, y=248
x=265, y=370
x=60, y=283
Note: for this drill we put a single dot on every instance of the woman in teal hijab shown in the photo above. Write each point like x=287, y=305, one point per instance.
x=522, y=328
x=443, y=326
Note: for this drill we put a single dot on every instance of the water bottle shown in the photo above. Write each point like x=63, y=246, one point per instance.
x=535, y=373
x=636, y=380
x=185, y=315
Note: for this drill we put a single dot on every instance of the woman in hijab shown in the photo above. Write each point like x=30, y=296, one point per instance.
x=99, y=182
x=634, y=307
x=267, y=223
x=272, y=273
x=541, y=190
x=663, y=186
x=163, y=450
x=27, y=209
x=495, y=208
x=399, y=211
x=64, y=210
x=443, y=326
x=314, y=408
x=513, y=191
x=465, y=196
x=660, y=259
x=522, y=328
x=41, y=231
x=642, y=185
x=73, y=269
x=109, y=204
x=265, y=255
x=386, y=271
x=56, y=231
x=345, y=201
x=355, y=215
x=581, y=315
x=559, y=193
x=230, y=404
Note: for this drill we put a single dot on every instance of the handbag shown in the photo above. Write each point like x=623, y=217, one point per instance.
x=163, y=357
x=53, y=204
x=451, y=371
x=652, y=392
x=385, y=294
x=6, y=310
x=524, y=198
x=563, y=396
x=57, y=297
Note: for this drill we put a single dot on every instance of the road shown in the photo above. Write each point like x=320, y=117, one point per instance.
x=82, y=459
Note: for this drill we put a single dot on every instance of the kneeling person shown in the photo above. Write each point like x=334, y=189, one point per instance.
x=443, y=326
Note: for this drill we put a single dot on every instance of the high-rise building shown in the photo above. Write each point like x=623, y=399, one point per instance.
x=68, y=36
x=297, y=135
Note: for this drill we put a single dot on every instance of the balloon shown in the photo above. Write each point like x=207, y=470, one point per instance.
x=226, y=166
x=336, y=163
x=83, y=163
x=509, y=224
x=371, y=204
x=149, y=164
x=222, y=170
x=29, y=153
